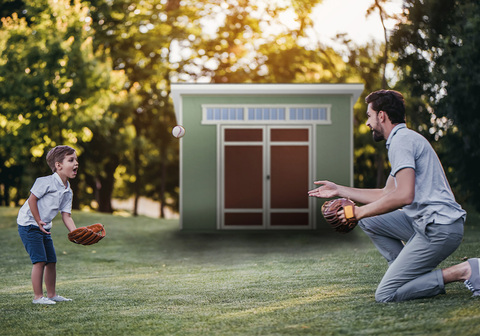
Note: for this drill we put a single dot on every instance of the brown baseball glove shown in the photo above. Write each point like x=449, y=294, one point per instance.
x=330, y=211
x=87, y=235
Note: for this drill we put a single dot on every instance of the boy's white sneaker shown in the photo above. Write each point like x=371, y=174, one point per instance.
x=43, y=300
x=58, y=298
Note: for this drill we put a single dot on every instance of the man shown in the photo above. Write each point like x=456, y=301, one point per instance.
x=414, y=221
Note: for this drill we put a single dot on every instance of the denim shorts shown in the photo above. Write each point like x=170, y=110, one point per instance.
x=38, y=244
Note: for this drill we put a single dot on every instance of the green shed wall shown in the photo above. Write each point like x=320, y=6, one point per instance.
x=199, y=152
x=199, y=168
x=334, y=148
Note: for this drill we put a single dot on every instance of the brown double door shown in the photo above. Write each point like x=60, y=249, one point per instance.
x=265, y=177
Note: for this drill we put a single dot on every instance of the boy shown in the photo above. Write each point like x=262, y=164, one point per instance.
x=49, y=196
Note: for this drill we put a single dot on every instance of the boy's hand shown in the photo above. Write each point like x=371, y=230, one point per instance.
x=40, y=225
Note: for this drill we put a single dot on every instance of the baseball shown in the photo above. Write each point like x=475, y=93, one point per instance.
x=178, y=131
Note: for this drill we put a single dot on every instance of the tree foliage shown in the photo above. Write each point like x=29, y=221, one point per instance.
x=139, y=36
x=53, y=86
x=371, y=163
x=438, y=55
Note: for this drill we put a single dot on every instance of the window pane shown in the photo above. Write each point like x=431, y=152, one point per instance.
x=308, y=114
x=323, y=113
x=266, y=114
x=293, y=114
x=300, y=114
x=209, y=114
x=274, y=114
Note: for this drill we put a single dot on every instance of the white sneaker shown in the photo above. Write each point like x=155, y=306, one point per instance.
x=58, y=298
x=43, y=300
x=473, y=283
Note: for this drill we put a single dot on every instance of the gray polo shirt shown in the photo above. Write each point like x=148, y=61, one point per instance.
x=53, y=197
x=434, y=200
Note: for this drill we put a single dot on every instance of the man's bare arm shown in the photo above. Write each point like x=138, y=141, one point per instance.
x=402, y=193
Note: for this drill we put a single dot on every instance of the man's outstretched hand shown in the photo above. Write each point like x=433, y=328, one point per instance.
x=326, y=189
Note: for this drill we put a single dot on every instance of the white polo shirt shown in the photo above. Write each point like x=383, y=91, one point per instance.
x=53, y=197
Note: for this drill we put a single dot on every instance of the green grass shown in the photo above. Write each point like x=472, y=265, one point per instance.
x=148, y=278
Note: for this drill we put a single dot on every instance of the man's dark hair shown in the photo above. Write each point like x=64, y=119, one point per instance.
x=389, y=101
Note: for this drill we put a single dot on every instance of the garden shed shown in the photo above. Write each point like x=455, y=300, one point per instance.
x=252, y=151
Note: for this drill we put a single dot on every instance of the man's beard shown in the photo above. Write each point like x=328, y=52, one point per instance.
x=377, y=136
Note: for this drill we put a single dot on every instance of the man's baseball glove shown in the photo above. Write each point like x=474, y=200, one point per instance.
x=330, y=211
x=87, y=235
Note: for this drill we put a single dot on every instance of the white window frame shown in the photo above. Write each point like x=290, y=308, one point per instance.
x=287, y=120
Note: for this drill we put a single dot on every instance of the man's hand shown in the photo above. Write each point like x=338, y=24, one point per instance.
x=357, y=210
x=340, y=214
x=327, y=189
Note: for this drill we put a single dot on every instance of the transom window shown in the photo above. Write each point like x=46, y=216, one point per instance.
x=216, y=114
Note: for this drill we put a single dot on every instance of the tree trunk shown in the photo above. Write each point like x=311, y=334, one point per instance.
x=163, y=182
x=379, y=162
x=5, y=195
x=105, y=186
x=136, y=184
x=75, y=190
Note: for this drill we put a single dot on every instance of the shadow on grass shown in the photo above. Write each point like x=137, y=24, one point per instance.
x=258, y=242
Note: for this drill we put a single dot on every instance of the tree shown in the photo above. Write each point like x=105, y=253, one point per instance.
x=364, y=65
x=295, y=56
x=378, y=5
x=254, y=44
x=141, y=37
x=53, y=86
x=438, y=58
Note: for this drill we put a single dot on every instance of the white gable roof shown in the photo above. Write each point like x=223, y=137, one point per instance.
x=180, y=89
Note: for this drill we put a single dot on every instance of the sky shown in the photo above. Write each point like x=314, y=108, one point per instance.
x=332, y=17
x=348, y=16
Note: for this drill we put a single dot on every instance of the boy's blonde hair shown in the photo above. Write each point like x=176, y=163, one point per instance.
x=57, y=154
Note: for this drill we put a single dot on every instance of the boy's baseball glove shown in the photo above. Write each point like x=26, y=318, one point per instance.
x=87, y=235
x=330, y=211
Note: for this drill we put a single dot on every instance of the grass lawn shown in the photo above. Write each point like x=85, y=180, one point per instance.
x=148, y=278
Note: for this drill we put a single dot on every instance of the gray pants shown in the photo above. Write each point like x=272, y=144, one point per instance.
x=410, y=274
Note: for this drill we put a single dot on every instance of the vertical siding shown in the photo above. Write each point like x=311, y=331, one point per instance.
x=199, y=176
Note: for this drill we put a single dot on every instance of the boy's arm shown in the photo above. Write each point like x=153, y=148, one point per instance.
x=68, y=221
x=32, y=203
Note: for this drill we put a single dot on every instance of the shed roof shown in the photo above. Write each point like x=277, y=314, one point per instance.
x=180, y=89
